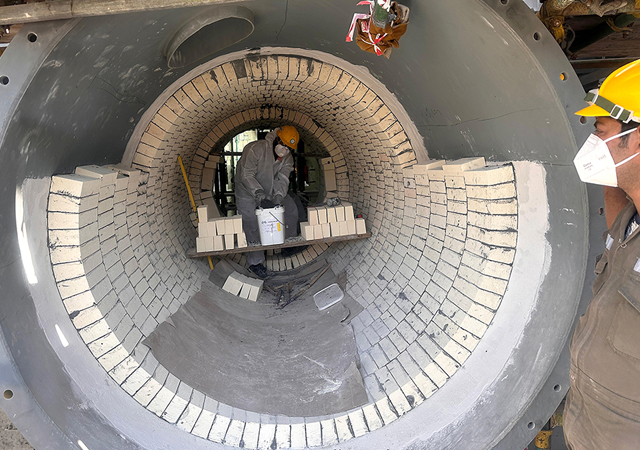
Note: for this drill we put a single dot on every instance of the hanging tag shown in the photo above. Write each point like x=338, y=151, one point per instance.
x=359, y=16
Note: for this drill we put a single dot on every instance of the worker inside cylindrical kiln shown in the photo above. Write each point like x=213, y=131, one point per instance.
x=262, y=181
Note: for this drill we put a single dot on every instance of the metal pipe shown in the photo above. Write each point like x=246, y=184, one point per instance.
x=607, y=63
x=593, y=35
x=552, y=8
x=69, y=9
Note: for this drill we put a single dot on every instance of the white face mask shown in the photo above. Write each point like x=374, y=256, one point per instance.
x=595, y=164
x=281, y=150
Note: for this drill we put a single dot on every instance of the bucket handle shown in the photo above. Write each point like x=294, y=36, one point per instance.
x=276, y=218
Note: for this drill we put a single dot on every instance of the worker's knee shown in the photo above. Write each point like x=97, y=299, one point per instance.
x=290, y=208
x=290, y=216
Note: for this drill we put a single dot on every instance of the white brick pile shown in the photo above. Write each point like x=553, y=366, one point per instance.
x=243, y=286
x=430, y=278
x=217, y=234
x=331, y=221
x=432, y=294
x=201, y=178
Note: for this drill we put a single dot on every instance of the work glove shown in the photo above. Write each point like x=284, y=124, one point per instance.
x=277, y=199
x=267, y=204
x=259, y=196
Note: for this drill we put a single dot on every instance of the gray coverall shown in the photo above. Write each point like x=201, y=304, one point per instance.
x=603, y=405
x=259, y=169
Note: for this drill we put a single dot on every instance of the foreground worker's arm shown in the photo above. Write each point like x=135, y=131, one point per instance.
x=615, y=199
x=281, y=179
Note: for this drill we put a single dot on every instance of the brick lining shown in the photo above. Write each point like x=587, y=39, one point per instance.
x=430, y=278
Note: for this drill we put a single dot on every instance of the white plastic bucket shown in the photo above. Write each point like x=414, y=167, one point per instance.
x=271, y=225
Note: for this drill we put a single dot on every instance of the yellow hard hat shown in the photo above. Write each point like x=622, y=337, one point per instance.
x=618, y=97
x=289, y=136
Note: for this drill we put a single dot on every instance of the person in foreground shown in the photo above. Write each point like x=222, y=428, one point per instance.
x=262, y=181
x=603, y=404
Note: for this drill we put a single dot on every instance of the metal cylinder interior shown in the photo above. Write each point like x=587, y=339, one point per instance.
x=467, y=308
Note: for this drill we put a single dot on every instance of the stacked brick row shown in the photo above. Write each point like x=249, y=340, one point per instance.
x=116, y=277
x=432, y=288
x=218, y=233
x=202, y=177
x=243, y=286
x=331, y=221
x=329, y=173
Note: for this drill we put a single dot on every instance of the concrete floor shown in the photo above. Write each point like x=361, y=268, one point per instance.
x=10, y=437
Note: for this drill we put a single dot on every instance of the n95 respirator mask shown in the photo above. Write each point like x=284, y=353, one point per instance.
x=281, y=150
x=595, y=164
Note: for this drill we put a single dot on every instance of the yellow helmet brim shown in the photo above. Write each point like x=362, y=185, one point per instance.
x=593, y=111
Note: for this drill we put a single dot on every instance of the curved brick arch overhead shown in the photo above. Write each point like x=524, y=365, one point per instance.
x=335, y=109
x=312, y=143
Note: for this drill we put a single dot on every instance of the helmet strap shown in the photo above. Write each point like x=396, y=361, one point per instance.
x=615, y=111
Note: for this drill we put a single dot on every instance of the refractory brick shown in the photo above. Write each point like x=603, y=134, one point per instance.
x=74, y=185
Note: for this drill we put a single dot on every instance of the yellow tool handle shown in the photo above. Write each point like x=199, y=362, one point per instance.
x=193, y=203
x=186, y=181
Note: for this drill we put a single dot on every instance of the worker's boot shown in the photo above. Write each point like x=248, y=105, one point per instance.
x=260, y=270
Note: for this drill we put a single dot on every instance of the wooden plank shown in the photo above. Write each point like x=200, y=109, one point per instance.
x=253, y=248
x=616, y=45
x=607, y=63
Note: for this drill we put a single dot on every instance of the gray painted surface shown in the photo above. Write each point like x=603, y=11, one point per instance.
x=473, y=80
